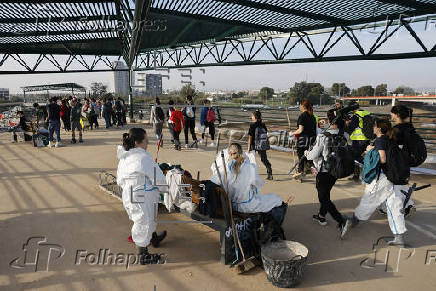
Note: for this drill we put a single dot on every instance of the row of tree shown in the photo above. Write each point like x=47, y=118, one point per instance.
x=317, y=94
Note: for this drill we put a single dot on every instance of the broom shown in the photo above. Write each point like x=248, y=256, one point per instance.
x=246, y=264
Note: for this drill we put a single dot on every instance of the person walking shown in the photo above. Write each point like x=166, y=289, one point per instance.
x=207, y=120
x=324, y=180
x=189, y=116
x=380, y=189
x=93, y=114
x=107, y=112
x=258, y=140
x=65, y=115
x=359, y=141
x=54, y=122
x=306, y=133
x=76, y=114
x=157, y=118
x=176, y=123
x=119, y=108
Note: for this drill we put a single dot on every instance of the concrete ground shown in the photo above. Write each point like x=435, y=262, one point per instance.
x=53, y=194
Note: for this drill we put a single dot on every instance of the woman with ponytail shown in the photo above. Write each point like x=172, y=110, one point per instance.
x=135, y=173
x=405, y=135
x=306, y=133
x=381, y=189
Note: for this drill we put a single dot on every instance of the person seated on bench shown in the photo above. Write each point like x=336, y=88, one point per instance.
x=135, y=175
x=20, y=127
x=244, y=182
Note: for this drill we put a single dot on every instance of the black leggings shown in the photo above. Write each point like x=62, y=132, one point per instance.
x=264, y=160
x=211, y=126
x=324, y=184
x=174, y=134
x=303, y=144
x=190, y=126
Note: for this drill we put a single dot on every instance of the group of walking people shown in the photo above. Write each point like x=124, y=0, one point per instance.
x=183, y=118
x=382, y=187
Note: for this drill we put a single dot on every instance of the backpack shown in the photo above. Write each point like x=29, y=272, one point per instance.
x=159, y=114
x=340, y=162
x=261, y=142
x=415, y=147
x=397, y=164
x=189, y=112
x=368, y=127
x=210, y=115
x=371, y=167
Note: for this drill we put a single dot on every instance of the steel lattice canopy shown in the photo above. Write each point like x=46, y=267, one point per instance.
x=100, y=27
x=57, y=87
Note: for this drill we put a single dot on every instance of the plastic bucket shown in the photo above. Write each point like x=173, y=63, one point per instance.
x=283, y=262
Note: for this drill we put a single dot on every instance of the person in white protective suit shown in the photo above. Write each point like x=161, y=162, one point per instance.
x=135, y=175
x=244, y=182
x=381, y=189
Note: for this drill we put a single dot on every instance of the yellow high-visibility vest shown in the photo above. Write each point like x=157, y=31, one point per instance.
x=358, y=133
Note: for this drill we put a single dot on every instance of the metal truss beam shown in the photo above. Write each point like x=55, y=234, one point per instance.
x=69, y=64
x=396, y=56
x=278, y=50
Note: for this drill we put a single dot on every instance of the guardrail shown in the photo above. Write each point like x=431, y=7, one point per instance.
x=237, y=117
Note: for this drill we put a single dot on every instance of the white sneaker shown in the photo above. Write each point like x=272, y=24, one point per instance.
x=212, y=144
x=201, y=141
x=50, y=144
x=186, y=146
x=58, y=144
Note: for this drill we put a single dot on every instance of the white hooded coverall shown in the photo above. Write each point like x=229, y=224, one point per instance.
x=245, y=188
x=382, y=190
x=136, y=173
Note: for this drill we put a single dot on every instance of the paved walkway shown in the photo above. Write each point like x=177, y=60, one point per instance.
x=53, y=193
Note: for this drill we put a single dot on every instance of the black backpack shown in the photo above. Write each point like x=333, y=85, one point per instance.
x=340, y=162
x=368, y=127
x=160, y=114
x=415, y=147
x=261, y=141
x=397, y=164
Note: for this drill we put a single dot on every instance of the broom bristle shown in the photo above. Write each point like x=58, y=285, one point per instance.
x=246, y=265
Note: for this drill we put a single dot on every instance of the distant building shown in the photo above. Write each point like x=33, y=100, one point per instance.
x=149, y=84
x=140, y=85
x=153, y=84
x=121, y=79
x=4, y=94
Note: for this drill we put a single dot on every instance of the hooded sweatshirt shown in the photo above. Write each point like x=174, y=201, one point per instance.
x=320, y=150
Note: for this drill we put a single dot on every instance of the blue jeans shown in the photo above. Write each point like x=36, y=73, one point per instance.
x=107, y=118
x=54, y=125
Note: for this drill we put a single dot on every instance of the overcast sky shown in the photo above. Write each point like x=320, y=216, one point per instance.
x=417, y=73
